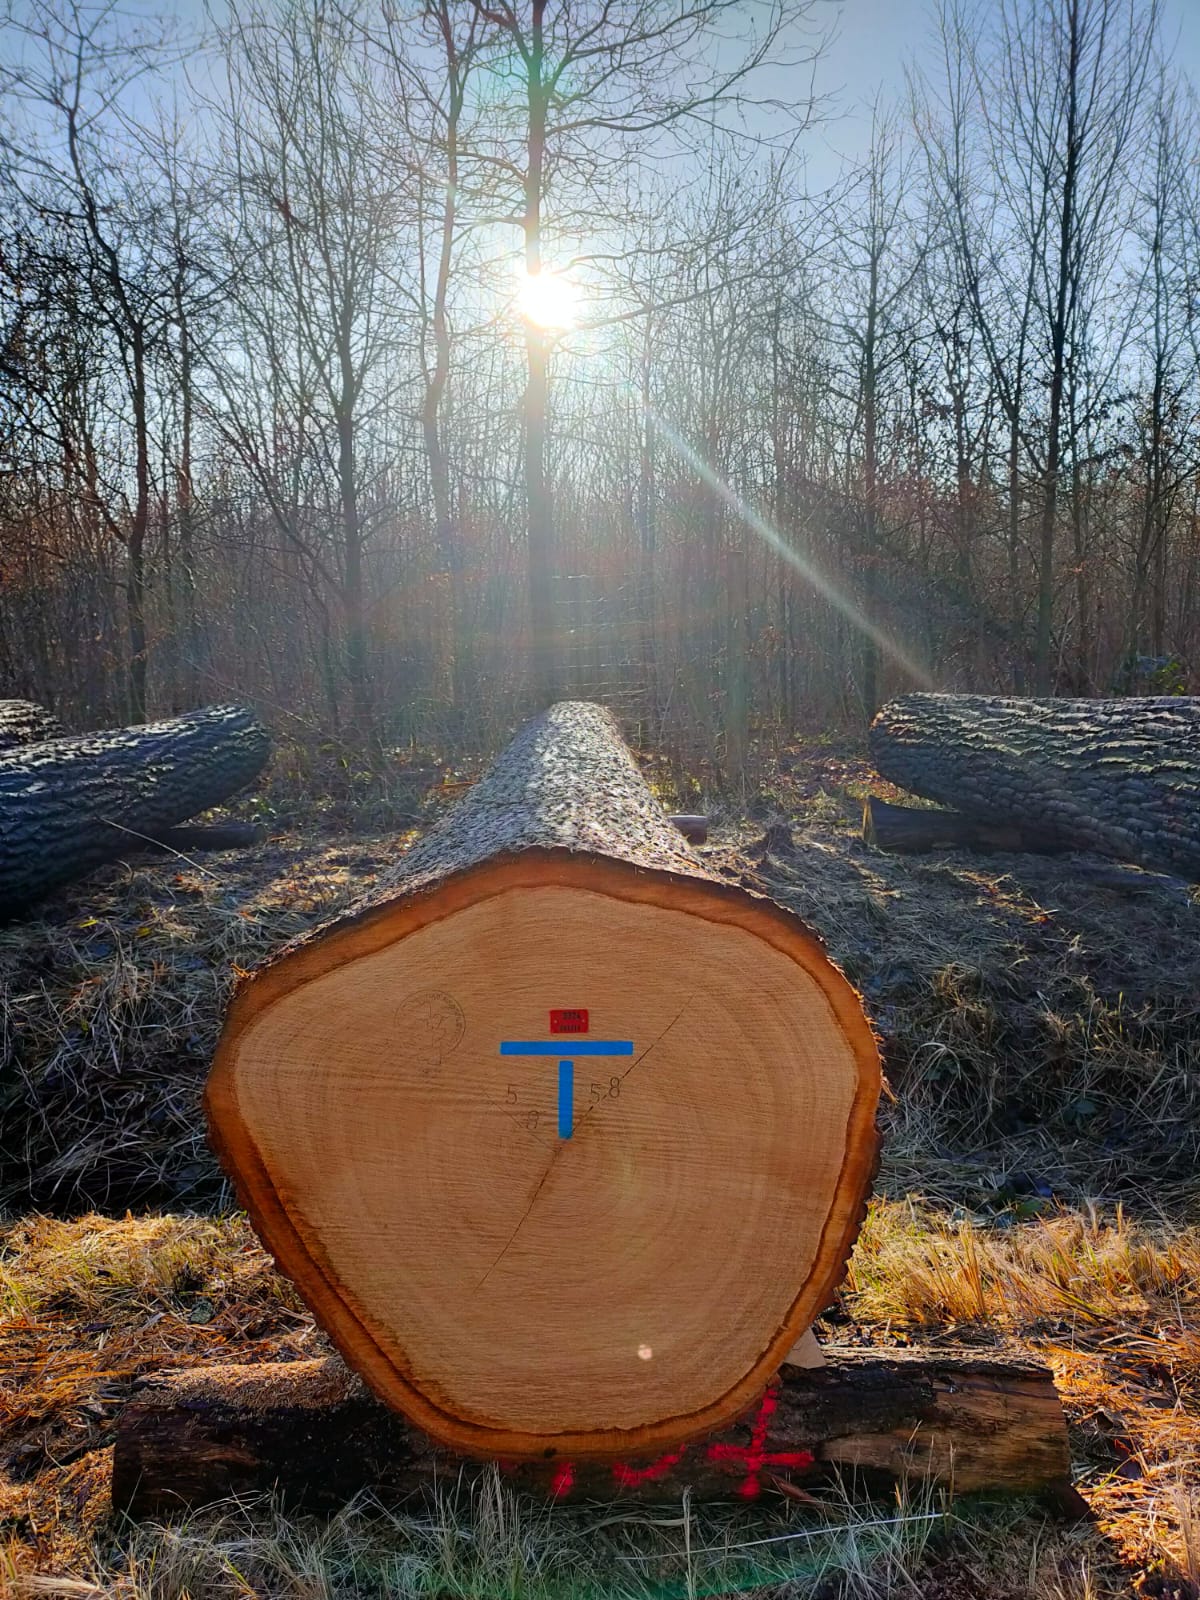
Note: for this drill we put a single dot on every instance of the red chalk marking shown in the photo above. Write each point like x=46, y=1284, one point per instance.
x=754, y=1457
x=626, y=1477
x=575, y=1021
x=564, y=1480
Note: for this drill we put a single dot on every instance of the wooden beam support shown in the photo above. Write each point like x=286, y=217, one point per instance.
x=916, y=829
x=313, y=1431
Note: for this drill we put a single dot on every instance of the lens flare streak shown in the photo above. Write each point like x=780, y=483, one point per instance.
x=771, y=536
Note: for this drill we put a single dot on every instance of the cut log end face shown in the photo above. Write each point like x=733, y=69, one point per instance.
x=565, y=1155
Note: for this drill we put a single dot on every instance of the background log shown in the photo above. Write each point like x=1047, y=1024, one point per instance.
x=312, y=1430
x=210, y=836
x=68, y=805
x=1120, y=777
x=693, y=828
x=920, y=828
x=621, y=1242
x=23, y=722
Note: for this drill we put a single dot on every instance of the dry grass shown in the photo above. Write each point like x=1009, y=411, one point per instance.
x=1041, y=1032
x=492, y=1545
x=1112, y=1305
x=87, y=1306
x=110, y=1005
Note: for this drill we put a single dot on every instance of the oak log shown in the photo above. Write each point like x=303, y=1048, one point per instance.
x=916, y=829
x=564, y=1140
x=1119, y=777
x=24, y=722
x=70, y=804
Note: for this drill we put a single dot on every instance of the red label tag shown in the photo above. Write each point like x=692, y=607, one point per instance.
x=568, y=1022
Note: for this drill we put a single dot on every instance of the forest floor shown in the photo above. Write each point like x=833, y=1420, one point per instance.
x=1041, y=1035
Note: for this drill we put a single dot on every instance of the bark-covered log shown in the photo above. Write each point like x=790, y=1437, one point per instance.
x=23, y=722
x=916, y=829
x=564, y=1140
x=68, y=805
x=313, y=1431
x=1120, y=777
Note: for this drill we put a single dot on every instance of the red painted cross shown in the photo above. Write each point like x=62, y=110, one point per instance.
x=754, y=1456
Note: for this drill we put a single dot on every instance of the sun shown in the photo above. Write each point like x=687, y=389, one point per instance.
x=547, y=298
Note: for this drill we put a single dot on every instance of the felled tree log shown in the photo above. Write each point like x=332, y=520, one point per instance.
x=920, y=828
x=1120, y=777
x=564, y=1140
x=68, y=805
x=213, y=836
x=312, y=1431
x=23, y=722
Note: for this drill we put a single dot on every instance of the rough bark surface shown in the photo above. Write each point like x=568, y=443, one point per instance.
x=314, y=1431
x=69, y=805
x=1120, y=777
x=566, y=782
x=23, y=722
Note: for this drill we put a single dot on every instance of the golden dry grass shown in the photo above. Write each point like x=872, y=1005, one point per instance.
x=86, y=1306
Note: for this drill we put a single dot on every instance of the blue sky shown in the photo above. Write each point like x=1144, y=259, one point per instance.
x=876, y=37
x=873, y=40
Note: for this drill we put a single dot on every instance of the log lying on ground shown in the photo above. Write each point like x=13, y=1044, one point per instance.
x=68, y=805
x=920, y=828
x=1120, y=777
x=23, y=722
x=313, y=1432
x=693, y=828
x=212, y=836
x=564, y=1140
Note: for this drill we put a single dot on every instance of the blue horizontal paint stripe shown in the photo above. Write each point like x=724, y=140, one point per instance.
x=567, y=1047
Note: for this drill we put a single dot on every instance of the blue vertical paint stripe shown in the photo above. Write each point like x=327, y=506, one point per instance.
x=566, y=1099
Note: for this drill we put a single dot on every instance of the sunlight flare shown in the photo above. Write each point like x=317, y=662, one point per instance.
x=812, y=575
x=547, y=298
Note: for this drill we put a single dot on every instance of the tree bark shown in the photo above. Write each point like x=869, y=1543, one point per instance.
x=314, y=1433
x=1120, y=777
x=526, y=1267
x=68, y=805
x=22, y=722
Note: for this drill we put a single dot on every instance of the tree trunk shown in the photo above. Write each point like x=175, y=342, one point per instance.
x=22, y=722
x=313, y=1432
x=68, y=805
x=1121, y=777
x=540, y=554
x=528, y=1123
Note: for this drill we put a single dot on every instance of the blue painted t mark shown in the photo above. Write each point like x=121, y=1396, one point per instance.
x=566, y=1068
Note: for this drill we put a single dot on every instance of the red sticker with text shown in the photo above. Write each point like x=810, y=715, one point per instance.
x=568, y=1022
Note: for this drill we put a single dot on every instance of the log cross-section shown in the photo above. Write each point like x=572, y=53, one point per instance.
x=564, y=1140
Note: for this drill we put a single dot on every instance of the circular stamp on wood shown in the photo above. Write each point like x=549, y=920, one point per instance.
x=431, y=1025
